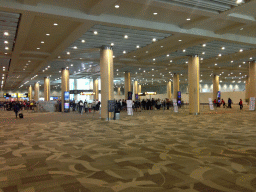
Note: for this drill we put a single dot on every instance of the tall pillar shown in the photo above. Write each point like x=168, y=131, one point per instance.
x=30, y=93
x=139, y=89
x=247, y=82
x=252, y=76
x=135, y=89
x=119, y=91
x=127, y=84
x=96, y=89
x=64, y=85
x=36, y=92
x=193, y=84
x=215, y=82
x=75, y=88
x=107, y=79
x=169, y=90
x=176, y=85
x=47, y=89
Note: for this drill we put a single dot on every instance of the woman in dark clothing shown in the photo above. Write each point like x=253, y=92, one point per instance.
x=16, y=109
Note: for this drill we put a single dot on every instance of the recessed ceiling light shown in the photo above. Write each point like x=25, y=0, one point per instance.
x=204, y=45
x=124, y=52
x=184, y=50
x=37, y=48
x=71, y=65
x=241, y=50
x=47, y=34
x=203, y=53
x=112, y=44
x=154, y=13
x=26, y=63
x=154, y=39
x=6, y=33
x=239, y=1
x=5, y=53
x=154, y=59
x=239, y=65
x=137, y=46
x=95, y=32
x=250, y=57
x=223, y=48
x=188, y=19
x=6, y=42
x=180, y=40
x=68, y=53
x=162, y=46
x=232, y=61
x=42, y=41
x=241, y=29
x=59, y=57
x=126, y=36
x=83, y=41
x=55, y=24
x=6, y=48
x=202, y=58
x=146, y=51
x=171, y=61
x=186, y=61
x=167, y=55
x=116, y=6
x=114, y=56
x=216, y=64
x=75, y=47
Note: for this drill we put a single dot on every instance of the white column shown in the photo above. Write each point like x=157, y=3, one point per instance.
x=30, y=93
x=75, y=88
x=127, y=84
x=46, y=89
x=176, y=85
x=215, y=82
x=64, y=85
x=107, y=79
x=193, y=84
x=36, y=92
x=96, y=89
x=252, y=76
x=169, y=90
x=135, y=89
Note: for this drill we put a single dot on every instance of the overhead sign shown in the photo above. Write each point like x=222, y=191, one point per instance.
x=150, y=93
x=87, y=93
x=22, y=95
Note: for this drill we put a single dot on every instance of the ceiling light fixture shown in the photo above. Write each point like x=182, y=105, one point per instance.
x=167, y=55
x=155, y=13
x=47, y=34
x=6, y=33
x=184, y=50
x=241, y=50
x=6, y=48
x=83, y=41
x=223, y=48
x=154, y=39
x=68, y=53
x=126, y=36
x=180, y=40
x=116, y=6
x=204, y=45
x=38, y=48
x=112, y=44
x=42, y=41
x=6, y=42
x=137, y=46
x=55, y=24
x=124, y=52
x=188, y=19
x=95, y=32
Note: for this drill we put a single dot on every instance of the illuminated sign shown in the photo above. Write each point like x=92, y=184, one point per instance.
x=22, y=95
x=87, y=93
x=150, y=93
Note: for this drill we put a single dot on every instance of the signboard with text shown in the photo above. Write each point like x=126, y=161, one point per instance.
x=175, y=105
x=252, y=104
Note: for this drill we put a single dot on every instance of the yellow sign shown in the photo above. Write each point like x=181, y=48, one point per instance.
x=150, y=93
x=21, y=95
x=87, y=93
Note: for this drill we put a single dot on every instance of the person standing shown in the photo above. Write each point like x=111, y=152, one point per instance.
x=81, y=105
x=241, y=104
x=16, y=109
x=229, y=103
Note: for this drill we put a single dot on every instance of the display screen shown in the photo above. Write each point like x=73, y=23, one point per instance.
x=66, y=95
x=66, y=105
x=179, y=95
x=218, y=94
x=129, y=95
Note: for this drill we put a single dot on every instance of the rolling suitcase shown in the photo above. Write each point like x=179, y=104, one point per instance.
x=21, y=115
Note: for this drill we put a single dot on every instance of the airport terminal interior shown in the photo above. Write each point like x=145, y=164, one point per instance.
x=128, y=95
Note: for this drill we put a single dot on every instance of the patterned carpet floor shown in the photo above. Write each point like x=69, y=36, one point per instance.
x=151, y=151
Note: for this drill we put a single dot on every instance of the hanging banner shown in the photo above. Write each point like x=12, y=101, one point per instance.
x=129, y=107
x=175, y=106
x=211, y=104
x=252, y=104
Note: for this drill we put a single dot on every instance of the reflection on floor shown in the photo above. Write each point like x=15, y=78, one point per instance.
x=150, y=151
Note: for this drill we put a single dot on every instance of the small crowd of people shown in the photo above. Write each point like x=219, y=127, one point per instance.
x=85, y=106
x=218, y=103
x=23, y=105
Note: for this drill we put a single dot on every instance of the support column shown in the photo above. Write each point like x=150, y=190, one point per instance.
x=169, y=90
x=30, y=93
x=247, y=82
x=36, y=92
x=119, y=91
x=252, y=76
x=127, y=84
x=107, y=79
x=46, y=89
x=135, y=89
x=193, y=84
x=64, y=85
x=75, y=88
x=215, y=82
x=139, y=89
x=96, y=89
x=176, y=85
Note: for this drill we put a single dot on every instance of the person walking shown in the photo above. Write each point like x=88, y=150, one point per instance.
x=229, y=103
x=16, y=109
x=81, y=105
x=241, y=104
